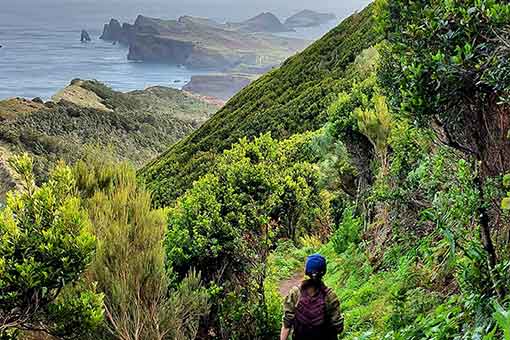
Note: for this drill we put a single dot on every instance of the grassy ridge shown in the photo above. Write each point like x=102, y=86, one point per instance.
x=134, y=126
x=289, y=100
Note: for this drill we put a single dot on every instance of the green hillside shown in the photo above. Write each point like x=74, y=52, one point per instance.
x=390, y=157
x=289, y=100
x=134, y=126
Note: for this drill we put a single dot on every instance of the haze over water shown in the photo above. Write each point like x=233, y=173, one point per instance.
x=42, y=53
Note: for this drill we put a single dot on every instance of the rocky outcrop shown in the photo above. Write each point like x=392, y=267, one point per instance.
x=85, y=36
x=264, y=22
x=200, y=43
x=308, y=18
x=112, y=31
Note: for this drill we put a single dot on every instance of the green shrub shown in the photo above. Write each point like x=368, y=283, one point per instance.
x=348, y=231
x=129, y=266
x=45, y=247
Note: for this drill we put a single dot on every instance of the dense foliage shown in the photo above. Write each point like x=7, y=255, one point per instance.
x=134, y=126
x=447, y=65
x=129, y=267
x=45, y=248
x=387, y=157
x=225, y=224
x=291, y=99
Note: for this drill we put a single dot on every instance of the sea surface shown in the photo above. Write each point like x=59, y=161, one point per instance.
x=37, y=63
x=42, y=51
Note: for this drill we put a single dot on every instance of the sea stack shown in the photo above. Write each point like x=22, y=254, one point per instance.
x=85, y=36
x=112, y=31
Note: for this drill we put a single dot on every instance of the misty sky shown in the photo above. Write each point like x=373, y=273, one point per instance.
x=92, y=12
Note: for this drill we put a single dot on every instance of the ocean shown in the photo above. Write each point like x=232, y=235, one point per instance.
x=42, y=51
x=37, y=63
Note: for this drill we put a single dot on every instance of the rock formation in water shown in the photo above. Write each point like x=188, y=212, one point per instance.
x=308, y=18
x=85, y=36
x=200, y=43
x=112, y=31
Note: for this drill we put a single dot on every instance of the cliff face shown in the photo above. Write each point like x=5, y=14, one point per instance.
x=112, y=31
x=204, y=44
x=159, y=49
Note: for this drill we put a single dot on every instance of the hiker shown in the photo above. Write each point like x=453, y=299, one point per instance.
x=312, y=310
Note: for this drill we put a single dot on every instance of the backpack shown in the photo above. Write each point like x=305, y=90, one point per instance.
x=311, y=319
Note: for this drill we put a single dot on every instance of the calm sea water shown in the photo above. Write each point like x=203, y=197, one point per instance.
x=42, y=53
x=36, y=63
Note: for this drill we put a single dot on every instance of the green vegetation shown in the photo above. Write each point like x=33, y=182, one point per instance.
x=225, y=224
x=45, y=248
x=134, y=126
x=129, y=266
x=397, y=203
x=292, y=99
x=395, y=171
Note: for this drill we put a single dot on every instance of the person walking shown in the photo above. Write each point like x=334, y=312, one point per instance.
x=312, y=310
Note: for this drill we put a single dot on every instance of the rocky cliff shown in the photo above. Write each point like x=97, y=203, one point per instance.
x=203, y=43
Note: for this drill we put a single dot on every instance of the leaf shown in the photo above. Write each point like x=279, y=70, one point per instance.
x=506, y=181
x=505, y=203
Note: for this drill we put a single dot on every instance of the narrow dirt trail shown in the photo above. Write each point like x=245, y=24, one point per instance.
x=286, y=285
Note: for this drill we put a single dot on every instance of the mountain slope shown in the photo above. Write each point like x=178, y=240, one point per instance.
x=264, y=22
x=288, y=100
x=135, y=126
x=308, y=18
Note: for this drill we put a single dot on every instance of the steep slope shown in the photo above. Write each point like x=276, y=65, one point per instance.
x=135, y=126
x=291, y=99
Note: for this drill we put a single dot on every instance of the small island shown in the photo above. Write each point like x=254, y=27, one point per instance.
x=85, y=36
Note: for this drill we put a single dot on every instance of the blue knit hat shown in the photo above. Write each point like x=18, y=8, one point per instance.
x=315, y=266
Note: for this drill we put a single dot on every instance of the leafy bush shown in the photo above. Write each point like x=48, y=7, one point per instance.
x=45, y=247
x=129, y=266
x=348, y=231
